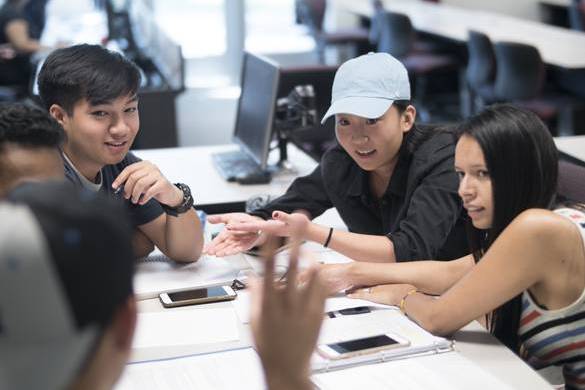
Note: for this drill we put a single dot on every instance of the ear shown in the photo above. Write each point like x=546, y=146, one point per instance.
x=407, y=118
x=124, y=324
x=59, y=114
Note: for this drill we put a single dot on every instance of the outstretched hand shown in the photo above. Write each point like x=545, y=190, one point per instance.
x=334, y=277
x=285, y=323
x=231, y=241
x=282, y=224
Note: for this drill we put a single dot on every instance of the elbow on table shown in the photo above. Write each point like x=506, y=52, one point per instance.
x=191, y=255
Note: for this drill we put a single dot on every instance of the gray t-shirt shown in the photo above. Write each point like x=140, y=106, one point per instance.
x=139, y=214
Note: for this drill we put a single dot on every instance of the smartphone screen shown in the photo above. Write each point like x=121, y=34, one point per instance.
x=199, y=293
x=361, y=344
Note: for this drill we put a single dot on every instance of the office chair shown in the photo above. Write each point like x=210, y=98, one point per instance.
x=312, y=14
x=571, y=182
x=481, y=70
x=395, y=35
x=577, y=15
x=520, y=79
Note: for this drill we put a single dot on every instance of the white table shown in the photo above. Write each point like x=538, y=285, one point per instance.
x=557, y=46
x=573, y=146
x=194, y=167
x=472, y=342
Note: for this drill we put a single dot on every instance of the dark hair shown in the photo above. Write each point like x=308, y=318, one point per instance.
x=522, y=161
x=89, y=72
x=418, y=134
x=28, y=126
x=90, y=246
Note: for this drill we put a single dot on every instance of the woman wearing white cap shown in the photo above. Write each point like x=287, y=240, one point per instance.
x=392, y=182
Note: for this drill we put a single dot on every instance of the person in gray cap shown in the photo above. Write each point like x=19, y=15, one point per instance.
x=391, y=181
x=67, y=310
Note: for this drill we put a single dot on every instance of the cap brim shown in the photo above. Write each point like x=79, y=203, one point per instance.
x=365, y=107
x=55, y=364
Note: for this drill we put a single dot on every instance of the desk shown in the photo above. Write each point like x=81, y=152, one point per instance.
x=573, y=146
x=557, y=46
x=471, y=342
x=194, y=167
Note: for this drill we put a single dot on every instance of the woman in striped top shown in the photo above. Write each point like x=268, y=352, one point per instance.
x=530, y=281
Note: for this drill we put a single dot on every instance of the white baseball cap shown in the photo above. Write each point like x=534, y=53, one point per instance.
x=367, y=86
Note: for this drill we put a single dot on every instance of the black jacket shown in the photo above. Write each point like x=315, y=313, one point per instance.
x=420, y=210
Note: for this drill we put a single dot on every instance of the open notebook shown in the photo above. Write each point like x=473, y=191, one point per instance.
x=157, y=273
x=379, y=321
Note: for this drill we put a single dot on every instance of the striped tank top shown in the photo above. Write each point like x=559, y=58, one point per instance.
x=556, y=337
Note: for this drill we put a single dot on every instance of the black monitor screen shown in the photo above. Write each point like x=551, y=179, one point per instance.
x=256, y=106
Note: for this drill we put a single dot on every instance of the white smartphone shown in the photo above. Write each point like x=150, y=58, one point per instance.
x=355, y=347
x=197, y=296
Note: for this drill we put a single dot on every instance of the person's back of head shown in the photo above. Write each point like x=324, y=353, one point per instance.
x=89, y=72
x=29, y=145
x=66, y=297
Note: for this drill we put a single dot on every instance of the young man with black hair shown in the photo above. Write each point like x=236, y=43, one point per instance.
x=29, y=146
x=92, y=93
x=65, y=323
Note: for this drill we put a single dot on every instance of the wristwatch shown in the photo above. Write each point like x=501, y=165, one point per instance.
x=185, y=205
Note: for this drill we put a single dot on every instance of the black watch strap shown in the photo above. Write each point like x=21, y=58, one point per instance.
x=185, y=205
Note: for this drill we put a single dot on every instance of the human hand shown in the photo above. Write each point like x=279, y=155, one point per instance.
x=285, y=323
x=143, y=181
x=230, y=242
x=282, y=224
x=335, y=277
x=386, y=294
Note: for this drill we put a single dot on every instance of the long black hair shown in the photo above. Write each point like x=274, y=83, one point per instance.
x=522, y=161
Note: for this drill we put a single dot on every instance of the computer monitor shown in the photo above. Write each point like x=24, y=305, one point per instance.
x=256, y=107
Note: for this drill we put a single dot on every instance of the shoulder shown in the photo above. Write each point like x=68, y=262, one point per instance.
x=544, y=227
x=9, y=14
x=439, y=142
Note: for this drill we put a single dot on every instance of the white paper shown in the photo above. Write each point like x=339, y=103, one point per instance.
x=370, y=324
x=157, y=274
x=242, y=305
x=445, y=371
x=230, y=370
x=186, y=326
x=343, y=302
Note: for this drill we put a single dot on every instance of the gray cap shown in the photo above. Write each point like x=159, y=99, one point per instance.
x=367, y=86
x=40, y=347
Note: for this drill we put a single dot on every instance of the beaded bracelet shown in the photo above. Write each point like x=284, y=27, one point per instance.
x=403, y=300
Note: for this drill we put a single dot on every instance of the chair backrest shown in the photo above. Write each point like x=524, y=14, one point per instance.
x=481, y=66
x=395, y=34
x=311, y=13
x=520, y=71
x=571, y=182
x=577, y=15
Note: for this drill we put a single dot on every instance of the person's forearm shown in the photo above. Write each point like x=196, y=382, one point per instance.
x=141, y=244
x=359, y=247
x=183, y=237
x=431, y=277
